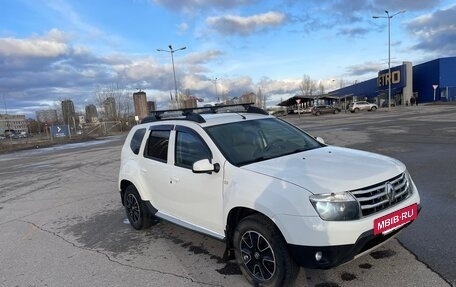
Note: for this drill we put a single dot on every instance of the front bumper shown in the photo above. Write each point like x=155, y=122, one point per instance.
x=333, y=256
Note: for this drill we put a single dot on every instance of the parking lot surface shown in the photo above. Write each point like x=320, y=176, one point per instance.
x=63, y=224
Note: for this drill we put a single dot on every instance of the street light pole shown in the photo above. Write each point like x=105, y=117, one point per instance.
x=171, y=51
x=388, y=16
x=216, y=96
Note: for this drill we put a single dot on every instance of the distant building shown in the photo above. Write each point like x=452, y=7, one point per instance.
x=150, y=106
x=47, y=116
x=190, y=102
x=91, y=114
x=248, y=98
x=140, y=102
x=69, y=116
x=109, y=106
x=12, y=124
x=404, y=84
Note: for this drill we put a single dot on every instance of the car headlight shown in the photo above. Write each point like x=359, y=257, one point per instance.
x=336, y=206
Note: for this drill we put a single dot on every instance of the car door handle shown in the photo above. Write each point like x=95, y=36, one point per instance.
x=143, y=170
x=173, y=179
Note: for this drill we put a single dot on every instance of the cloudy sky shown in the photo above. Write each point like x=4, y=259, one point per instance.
x=52, y=50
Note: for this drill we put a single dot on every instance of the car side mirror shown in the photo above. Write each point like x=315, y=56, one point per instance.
x=205, y=166
x=320, y=140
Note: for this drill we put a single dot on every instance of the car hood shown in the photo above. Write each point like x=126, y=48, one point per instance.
x=330, y=169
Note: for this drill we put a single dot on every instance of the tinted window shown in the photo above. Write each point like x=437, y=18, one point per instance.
x=251, y=141
x=136, y=140
x=189, y=149
x=157, y=145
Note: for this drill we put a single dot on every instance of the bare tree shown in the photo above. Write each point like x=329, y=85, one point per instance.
x=307, y=86
x=321, y=88
x=259, y=98
x=121, y=96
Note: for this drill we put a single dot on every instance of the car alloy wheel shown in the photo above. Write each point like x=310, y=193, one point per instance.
x=258, y=255
x=132, y=207
x=135, y=209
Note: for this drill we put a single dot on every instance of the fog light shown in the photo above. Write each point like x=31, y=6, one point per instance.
x=318, y=256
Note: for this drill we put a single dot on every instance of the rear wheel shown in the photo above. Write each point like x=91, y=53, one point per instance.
x=317, y=113
x=262, y=254
x=373, y=108
x=137, y=213
x=336, y=111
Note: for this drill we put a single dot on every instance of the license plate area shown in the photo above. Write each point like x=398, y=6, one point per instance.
x=394, y=220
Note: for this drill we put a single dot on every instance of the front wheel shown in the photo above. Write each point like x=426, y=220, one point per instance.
x=262, y=254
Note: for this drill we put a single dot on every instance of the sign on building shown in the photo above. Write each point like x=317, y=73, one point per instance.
x=398, y=78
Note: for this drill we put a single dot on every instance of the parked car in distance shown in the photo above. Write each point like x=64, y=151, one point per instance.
x=324, y=109
x=277, y=111
x=385, y=104
x=307, y=110
x=277, y=197
x=362, y=106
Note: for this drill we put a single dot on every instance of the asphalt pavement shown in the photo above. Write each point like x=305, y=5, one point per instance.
x=63, y=224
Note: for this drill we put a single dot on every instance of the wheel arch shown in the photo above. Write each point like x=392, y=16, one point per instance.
x=235, y=216
x=123, y=186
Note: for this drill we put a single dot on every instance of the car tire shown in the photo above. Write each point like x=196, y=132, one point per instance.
x=356, y=110
x=373, y=108
x=136, y=211
x=262, y=254
x=317, y=113
x=336, y=111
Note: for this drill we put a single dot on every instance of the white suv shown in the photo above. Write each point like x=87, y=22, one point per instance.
x=277, y=196
x=362, y=106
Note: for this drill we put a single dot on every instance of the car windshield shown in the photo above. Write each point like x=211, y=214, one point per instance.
x=251, y=141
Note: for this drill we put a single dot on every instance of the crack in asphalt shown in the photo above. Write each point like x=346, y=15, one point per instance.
x=38, y=188
x=54, y=207
x=115, y=261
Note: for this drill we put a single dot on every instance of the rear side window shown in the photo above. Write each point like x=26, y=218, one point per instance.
x=157, y=145
x=136, y=140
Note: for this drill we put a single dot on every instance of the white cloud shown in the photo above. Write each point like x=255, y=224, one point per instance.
x=51, y=44
x=233, y=24
x=195, y=5
x=182, y=28
x=436, y=32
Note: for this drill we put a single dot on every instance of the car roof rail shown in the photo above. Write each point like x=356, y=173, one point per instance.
x=194, y=114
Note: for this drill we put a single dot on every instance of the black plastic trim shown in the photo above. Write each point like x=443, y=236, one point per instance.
x=339, y=254
x=194, y=114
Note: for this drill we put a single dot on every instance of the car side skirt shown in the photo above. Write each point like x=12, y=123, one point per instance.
x=153, y=211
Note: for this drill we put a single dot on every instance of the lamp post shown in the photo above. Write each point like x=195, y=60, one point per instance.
x=216, y=96
x=388, y=16
x=171, y=51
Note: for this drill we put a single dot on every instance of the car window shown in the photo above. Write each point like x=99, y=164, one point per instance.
x=189, y=148
x=136, y=140
x=256, y=140
x=157, y=145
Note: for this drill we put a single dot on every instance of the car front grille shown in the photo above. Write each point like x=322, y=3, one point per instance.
x=375, y=198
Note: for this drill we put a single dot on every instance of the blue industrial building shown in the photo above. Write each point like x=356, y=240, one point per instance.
x=427, y=82
x=439, y=73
